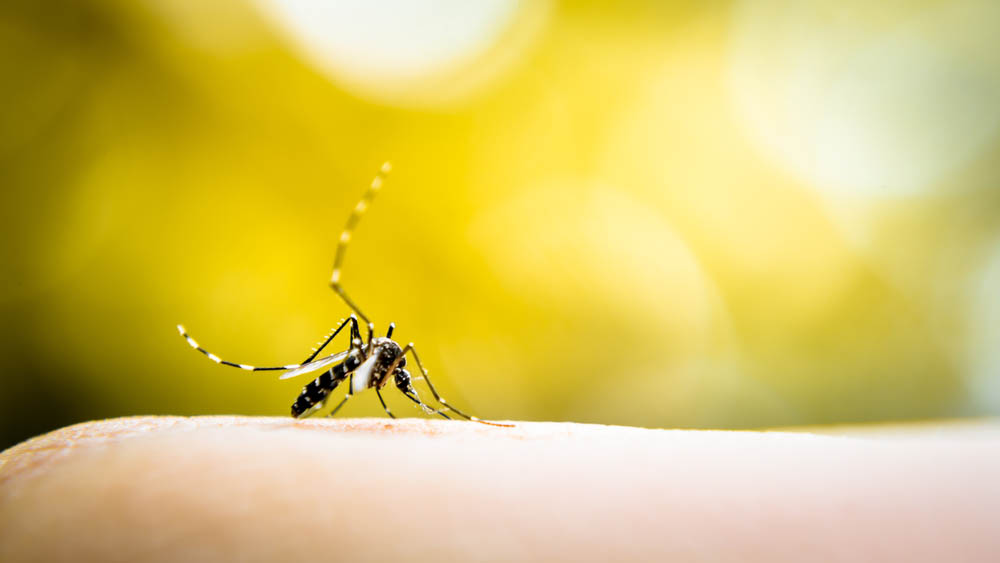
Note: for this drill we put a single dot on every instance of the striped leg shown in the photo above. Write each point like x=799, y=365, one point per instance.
x=340, y=404
x=345, y=238
x=384, y=406
x=417, y=400
x=413, y=352
x=355, y=334
x=350, y=393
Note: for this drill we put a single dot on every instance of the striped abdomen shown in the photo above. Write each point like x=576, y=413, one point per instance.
x=317, y=389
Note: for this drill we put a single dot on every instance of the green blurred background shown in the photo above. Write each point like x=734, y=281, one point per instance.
x=703, y=214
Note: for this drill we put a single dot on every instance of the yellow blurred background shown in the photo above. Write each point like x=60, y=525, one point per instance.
x=710, y=215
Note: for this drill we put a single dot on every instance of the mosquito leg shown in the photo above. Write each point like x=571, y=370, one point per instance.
x=350, y=393
x=384, y=406
x=413, y=352
x=345, y=238
x=352, y=320
x=340, y=404
x=357, y=343
x=423, y=406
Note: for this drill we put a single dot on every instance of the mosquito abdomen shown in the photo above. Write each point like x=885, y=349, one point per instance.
x=317, y=390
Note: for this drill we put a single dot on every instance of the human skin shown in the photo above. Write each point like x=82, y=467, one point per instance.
x=274, y=489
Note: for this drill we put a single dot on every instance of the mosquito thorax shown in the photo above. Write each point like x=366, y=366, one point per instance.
x=388, y=350
x=386, y=353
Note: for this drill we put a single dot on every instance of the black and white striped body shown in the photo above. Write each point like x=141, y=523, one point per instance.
x=366, y=370
x=316, y=390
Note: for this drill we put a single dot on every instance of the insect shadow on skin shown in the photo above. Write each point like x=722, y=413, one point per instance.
x=365, y=364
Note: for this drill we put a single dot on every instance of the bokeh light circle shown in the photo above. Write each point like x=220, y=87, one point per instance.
x=408, y=53
x=569, y=243
x=859, y=101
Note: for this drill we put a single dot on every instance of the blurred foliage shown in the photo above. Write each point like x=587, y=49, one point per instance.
x=598, y=216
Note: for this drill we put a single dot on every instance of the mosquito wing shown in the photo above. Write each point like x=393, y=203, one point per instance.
x=363, y=375
x=315, y=365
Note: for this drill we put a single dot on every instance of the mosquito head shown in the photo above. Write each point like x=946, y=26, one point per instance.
x=403, y=381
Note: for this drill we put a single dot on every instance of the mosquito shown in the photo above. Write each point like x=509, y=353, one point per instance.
x=365, y=364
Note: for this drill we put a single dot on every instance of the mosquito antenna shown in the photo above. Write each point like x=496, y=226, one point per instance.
x=345, y=237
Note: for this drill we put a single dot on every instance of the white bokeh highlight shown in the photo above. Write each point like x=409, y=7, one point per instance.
x=859, y=100
x=382, y=49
